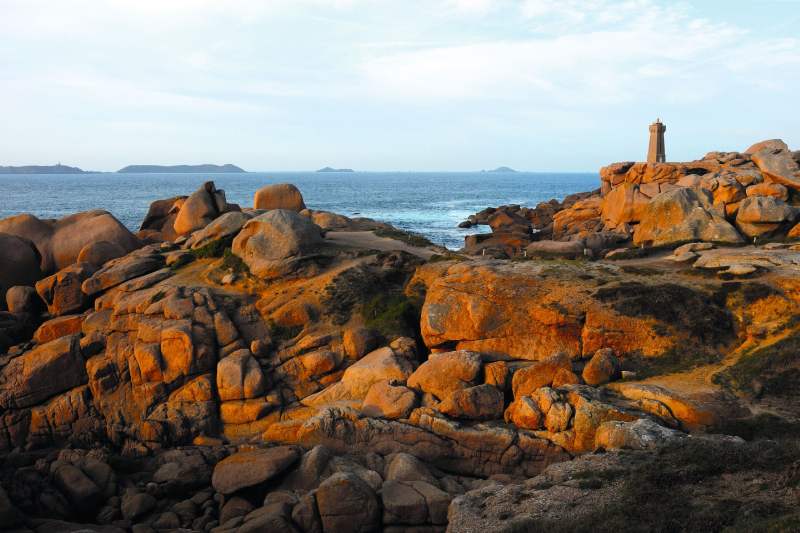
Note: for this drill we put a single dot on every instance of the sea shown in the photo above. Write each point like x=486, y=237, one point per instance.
x=428, y=203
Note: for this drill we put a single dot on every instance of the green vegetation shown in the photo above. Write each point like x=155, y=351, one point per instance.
x=761, y=426
x=679, y=359
x=234, y=263
x=213, y=249
x=772, y=370
x=346, y=290
x=391, y=314
x=658, y=493
x=412, y=239
x=683, y=308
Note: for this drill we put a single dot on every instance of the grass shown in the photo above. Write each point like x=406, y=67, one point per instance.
x=412, y=239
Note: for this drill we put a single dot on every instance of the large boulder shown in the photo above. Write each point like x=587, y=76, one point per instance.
x=42, y=373
x=22, y=300
x=19, y=263
x=62, y=291
x=160, y=219
x=383, y=364
x=776, y=162
x=239, y=377
x=445, y=373
x=249, y=468
x=775, y=190
x=99, y=253
x=683, y=215
x=58, y=327
x=762, y=215
x=624, y=204
x=271, y=243
x=60, y=242
x=202, y=206
x=223, y=227
x=389, y=401
x=540, y=374
x=71, y=234
x=601, y=368
x=482, y=402
x=279, y=196
x=347, y=504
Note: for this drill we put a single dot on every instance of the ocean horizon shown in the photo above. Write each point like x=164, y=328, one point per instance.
x=429, y=203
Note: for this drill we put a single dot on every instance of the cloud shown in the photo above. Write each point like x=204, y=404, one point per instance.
x=581, y=54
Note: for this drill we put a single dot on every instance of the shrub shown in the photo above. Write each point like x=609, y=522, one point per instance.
x=391, y=314
x=213, y=249
x=412, y=239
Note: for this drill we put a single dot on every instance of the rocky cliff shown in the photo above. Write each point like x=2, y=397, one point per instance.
x=281, y=369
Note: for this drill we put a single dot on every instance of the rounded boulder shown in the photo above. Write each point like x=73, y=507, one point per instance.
x=269, y=242
x=279, y=196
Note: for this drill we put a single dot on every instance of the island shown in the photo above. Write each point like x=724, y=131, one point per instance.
x=330, y=169
x=43, y=169
x=500, y=170
x=174, y=169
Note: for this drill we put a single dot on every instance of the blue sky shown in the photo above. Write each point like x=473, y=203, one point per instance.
x=392, y=85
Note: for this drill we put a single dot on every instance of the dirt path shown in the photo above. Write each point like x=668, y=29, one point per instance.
x=368, y=240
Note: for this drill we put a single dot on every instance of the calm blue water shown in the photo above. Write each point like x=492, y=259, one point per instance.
x=430, y=203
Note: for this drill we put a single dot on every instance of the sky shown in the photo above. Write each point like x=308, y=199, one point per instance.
x=539, y=85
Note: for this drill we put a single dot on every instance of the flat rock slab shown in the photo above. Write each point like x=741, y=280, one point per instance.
x=249, y=468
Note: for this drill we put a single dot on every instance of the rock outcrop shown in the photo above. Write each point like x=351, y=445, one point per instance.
x=200, y=209
x=59, y=242
x=259, y=375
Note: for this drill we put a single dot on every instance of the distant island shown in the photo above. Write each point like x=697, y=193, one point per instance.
x=500, y=169
x=180, y=168
x=43, y=169
x=330, y=169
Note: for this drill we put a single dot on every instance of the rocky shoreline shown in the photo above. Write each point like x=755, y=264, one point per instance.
x=586, y=366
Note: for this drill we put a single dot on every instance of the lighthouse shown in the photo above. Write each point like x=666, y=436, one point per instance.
x=655, y=151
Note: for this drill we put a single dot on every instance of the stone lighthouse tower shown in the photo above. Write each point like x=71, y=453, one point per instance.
x=655, y=152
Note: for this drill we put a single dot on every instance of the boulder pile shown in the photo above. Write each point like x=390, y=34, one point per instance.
x=245, y=370
x=726, y=197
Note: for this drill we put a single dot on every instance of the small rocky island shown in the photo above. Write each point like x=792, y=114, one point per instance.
x=186, y=169
x=43, y=169
x=331, y=169
x=500, y=170
x=625, y=359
